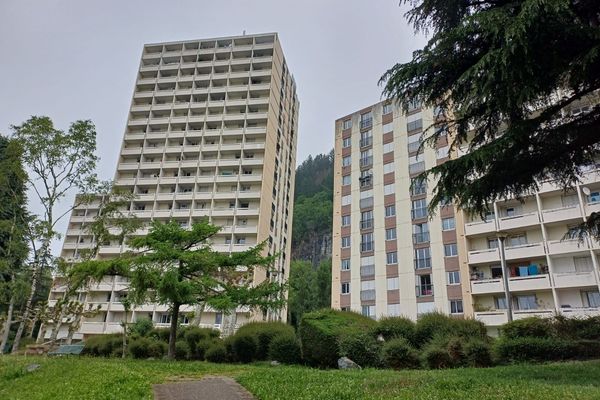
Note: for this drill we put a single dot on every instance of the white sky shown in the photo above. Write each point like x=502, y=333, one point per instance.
x=78, y=59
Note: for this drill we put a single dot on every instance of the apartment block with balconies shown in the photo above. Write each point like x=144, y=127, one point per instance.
x=389, y=257
x=211, y=133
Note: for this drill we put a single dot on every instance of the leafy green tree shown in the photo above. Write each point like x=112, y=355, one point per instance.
x=504, y=76
x=175, y=266
x=309, y=288
x=57, y=162
x=13, y=228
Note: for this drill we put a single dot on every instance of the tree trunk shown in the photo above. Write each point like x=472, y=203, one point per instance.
x=173, y=331
x=25, y=315
x=7, y=323
x=124, y=353
x=61, y=316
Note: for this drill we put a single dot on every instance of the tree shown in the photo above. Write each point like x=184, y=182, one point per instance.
x=309, y=288
x=175, y=266
x=13, y=222
x=504, y=75
x=57, y=161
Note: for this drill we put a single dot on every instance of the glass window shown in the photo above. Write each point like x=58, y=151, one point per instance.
x=345, y=287
x=422, y=258
x=594, y=197
x=413, y=105
x=387, y=108
x=388, y=147
x=345, y=241
x=418, y=186
x=346, y=161
x=421, y=232
x=346, y=180
x=450, y=250
x=414, y=125
x=347, y=142
x=419, y=208
x=346, y=200
x=387, y=128
x=387, y=168
x=366, y=243
x=500, y=303
x=345, y=264
x=368, y=311
x=393, y=310
x=347, y=124
x=453, y=278
x=593, y=299
x=218, y=318
x=517, y=240
x=393, y=283
x=345, y=220
x=388, y=189
x=492, y=243
x=448, y=224
x=391, y=258
x=390, y=211
x=456, y=307
x=526, y=302
x=390, y=234
x=583, y=264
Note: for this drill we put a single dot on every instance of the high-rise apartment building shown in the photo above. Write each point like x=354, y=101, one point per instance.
x=211, y=134
x=389, y=258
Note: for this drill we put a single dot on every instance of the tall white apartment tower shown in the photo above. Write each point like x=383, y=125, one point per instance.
x=211, y=133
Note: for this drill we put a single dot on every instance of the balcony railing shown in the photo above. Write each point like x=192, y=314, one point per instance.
x=366, y=141
x=366, y=224
x=366, y=161
x=366, y=246
x=367, y=295
x=417, y=167
x=366, y=181
x=424, y=290
x=367, y=270
x=366, y=123
x=421, y=263
x=418, y=190
x=421, y=237
x=419, y=213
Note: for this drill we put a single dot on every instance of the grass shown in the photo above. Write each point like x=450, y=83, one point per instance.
x=97, y=378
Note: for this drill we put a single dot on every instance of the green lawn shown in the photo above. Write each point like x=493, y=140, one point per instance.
x=97, y=378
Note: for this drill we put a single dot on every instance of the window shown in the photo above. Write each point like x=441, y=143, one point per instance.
x=366, y=120
x=500, y=303
x=366, y=138
x=345, y=264
x=391, y=258
x=346, y=142
x=390, y=211
x=387, y=108
x=346, y=161
x=593, y=299
x=366, y=219
x=165, y=318
x=388, y=189
x=366, y=243
x=346, y=180
x=511, y=211
x=418, y=186
x=388, y=147
x=453, y=278
x=345, y=287
x=390, y=234
x=366, y=157
x=393, y=283
x=421, y=232
x=393, y=310
x=492, y=243
x=422, y=258
x=442, y=152
x=387, y=128
x=218, y=318
x=345, y=220
x=419, y=208
x=528, y=302
x=414, y=122
x=594, y=197
x=367, y=285
x=346, y=200
x=347, y=124
x=424, y=285
x=366, y=178
x=517, y=240
x=414, y=143
x=583, y=264
x=450, y=250
x=569, y=200
x=456, y=307
x=448, y=224
x=387, y=168
x=368, y=311
x=345, y=241
x=413, y=105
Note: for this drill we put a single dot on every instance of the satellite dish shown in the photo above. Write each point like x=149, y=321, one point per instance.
x=586, y=190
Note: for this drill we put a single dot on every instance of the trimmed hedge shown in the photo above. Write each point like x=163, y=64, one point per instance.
x=146, y=348
x=193, y=336
x=321, y=330
x=285, y=349
x=245, y=346
x=534, y=349
x=528, y=327
x=395, y=327
x=442, y=325
x=217, y=354
x=265, y=332
x=360, y=347
x=104, y=345
x=399, y=354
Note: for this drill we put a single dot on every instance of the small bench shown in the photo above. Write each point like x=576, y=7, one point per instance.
x=65, y=349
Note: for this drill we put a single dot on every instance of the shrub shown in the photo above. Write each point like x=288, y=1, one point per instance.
x=245, y=346
x=228, y=343
x=395, y=327
x=527, y=327
x=201, y=347
x=194, y=335
x=587, y=349
x=361, y=348
x=436, y=356
x=217, y=353
x=399, y=354
x=469, y=328
x=159, y=334
x=577, y=328
x=320, y=332
x=103, y=345
x=141, y=327
x=265, y=332
x=431, y=324
x=285, y=349
x=146, y=347
x=477, y=353
x=534, y=349
x=182, y=349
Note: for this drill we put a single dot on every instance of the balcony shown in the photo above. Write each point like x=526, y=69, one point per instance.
x=91, y=328
x=480, y=227
x=592, y=207
x=519, y=221
x=521, y=314
x=483, y=256
x=366, y=224
x=367, y=295
x=422, y=237
x=561, y=214
x=485, y=286
x=416, y=168
x=418, y=190
x=574, y=279
x=566, y=246
x=366, y=246
x=367, y=270
x=366, y=161
x=424, y=290
x=528, y=283
x=368, y=141
x=492, y=318
x=580, y=312
x=422, y=263
x=366, y=123
x=528, y=250
x=418, y=213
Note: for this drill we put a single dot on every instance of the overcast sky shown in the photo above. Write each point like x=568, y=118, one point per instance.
x=78, y=59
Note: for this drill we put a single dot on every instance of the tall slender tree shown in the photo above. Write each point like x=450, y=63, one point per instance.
x=13, y=222
x=504, y=75
x=57, y=162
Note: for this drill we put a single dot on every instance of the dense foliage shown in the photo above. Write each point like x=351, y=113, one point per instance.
x=309, y=288
x=515, y=67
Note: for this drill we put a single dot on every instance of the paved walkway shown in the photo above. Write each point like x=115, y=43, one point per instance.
x=209, y=388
